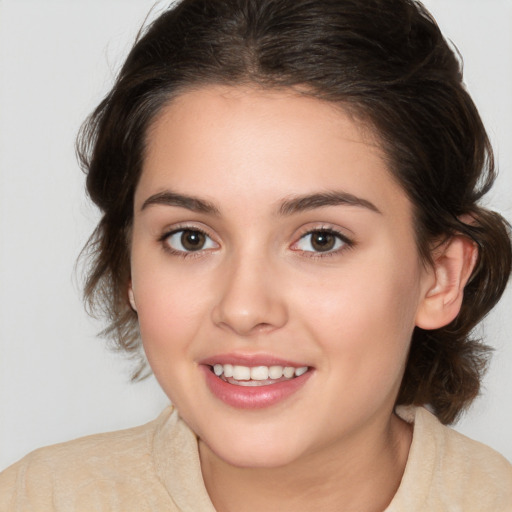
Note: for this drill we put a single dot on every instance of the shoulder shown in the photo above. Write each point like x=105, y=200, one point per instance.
x=92, y=452
x=457, y=456
x=473, y=471
x=89, y=465
x=448, y=471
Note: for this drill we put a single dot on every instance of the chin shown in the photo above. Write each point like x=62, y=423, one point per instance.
x=258, y=459
x=254, y=451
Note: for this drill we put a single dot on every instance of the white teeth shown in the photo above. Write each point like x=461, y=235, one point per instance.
x=275, y=372
x=301, y=371
x=288, y=372
x=228, y=370
x=241, y=373
x=257, y=373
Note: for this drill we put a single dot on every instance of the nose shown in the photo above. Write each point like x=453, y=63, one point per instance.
x=252, y=299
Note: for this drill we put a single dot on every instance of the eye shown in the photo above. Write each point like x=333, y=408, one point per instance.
x=189, y=240
x=321, y=240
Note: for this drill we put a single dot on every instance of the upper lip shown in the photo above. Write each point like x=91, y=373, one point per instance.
x=250, y=360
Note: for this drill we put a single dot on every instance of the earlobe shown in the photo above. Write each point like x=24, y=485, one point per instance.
x=131, y=298
x=454, y=262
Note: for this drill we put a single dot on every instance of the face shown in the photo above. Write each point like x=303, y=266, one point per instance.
x=274, y=272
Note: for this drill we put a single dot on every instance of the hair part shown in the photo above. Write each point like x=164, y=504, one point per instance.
x=386, y=62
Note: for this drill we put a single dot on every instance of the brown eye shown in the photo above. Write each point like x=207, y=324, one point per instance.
x=192, y=240
x=322, y=240
x=189, y=240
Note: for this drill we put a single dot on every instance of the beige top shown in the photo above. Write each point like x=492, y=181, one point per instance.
x=156, y=467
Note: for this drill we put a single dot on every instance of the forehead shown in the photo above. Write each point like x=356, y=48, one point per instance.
x=261, y=145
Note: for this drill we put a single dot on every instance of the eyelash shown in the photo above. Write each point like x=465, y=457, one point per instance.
x=183, y=254
x=345, y=241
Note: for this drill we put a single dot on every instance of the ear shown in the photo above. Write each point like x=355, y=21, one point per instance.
x=131, y=298
x=454, y=262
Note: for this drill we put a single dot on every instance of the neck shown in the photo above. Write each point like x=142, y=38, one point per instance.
x=359, y=474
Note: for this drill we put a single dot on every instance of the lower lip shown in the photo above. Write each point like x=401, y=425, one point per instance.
x=253, y=397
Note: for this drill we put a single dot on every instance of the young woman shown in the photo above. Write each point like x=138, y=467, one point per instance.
x=291, y=231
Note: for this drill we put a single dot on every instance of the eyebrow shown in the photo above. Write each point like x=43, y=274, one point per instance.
x=319, y=200
x=194, y=204
x=288, y=207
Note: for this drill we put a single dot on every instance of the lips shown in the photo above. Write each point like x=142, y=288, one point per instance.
x=248, y=382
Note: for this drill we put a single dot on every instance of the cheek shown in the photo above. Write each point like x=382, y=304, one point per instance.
x=365, y=317
x=166, y=317
x=168, y=322
x=168, y=308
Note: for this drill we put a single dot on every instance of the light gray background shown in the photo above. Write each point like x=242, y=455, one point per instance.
x=57, y=59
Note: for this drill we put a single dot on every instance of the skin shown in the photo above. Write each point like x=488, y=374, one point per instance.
x=259, y=287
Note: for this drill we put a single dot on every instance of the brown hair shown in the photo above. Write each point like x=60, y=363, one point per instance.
x=384, y=60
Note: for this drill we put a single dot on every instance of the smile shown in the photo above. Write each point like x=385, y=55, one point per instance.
x=254, y=386
x=256, y=375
